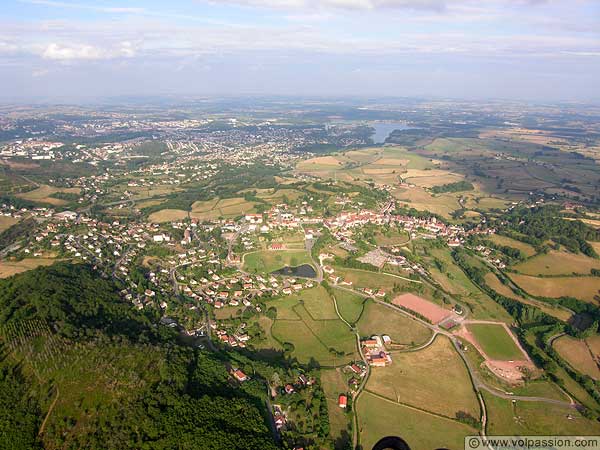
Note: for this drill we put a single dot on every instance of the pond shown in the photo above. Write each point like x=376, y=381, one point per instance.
x=304, y=271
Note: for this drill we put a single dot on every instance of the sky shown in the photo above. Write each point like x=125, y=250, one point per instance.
x=70, y=50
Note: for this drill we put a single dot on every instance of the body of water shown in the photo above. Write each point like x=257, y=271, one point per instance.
x=304, y=271
x=383, y=130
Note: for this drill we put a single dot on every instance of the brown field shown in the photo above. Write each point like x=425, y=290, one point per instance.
x=577, y=353
x=413, y=379
x=42, y=194
x=228, y=207
x=492, y=281
x=10, y=268
x=391, y=162
x=420, y=199
x=584, y=288
x=428, y=182
x=167, y=215
x=7, y=222
x=596, y=246
x=558, y=263
x=594, y=343
x=322, y=161
x=527, y=249
x=431, y=311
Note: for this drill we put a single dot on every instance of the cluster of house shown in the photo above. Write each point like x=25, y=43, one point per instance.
x=487, y=253
x=375, y=352
x=32, y=148
x=302, y=382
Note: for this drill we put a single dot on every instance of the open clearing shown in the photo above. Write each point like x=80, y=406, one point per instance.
x=495, y=341
x=42, y=194
x=10, y=268
x=577, y=353
x=7, y=222
x=378, y=417
x=584, y=288
x=558, y=263
x=414, y=378
x=266, y=261
x=378, y=319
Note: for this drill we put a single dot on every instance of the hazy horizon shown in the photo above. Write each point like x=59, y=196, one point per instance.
x=77, y=50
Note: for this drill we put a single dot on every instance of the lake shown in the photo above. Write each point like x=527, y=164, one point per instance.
x=383, y=130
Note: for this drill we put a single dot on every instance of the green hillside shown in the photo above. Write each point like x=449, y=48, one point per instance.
x=80, y=368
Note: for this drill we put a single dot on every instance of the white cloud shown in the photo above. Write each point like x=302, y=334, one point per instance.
x=340, y=4
x=103, y=9
x=62, y=52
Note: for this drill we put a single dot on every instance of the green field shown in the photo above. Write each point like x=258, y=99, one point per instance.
x=378, y=319
x=334, y=383
x=535, y=418
x=308, y=321
x=375, y=280
x=495, y=341
x=266, y=261
x=350, y=305
x=455, y=281
x=378, y=418
x=414, y=378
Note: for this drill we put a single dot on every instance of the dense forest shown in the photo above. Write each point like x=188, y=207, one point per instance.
x=80, y=368
x=537, y=225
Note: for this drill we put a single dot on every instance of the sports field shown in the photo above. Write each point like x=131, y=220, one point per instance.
x=415, y=378
x=432, y=312
x=378, y=417
x=377, y=319
x=266, y=261
x=496, y=342
x=579, y=355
